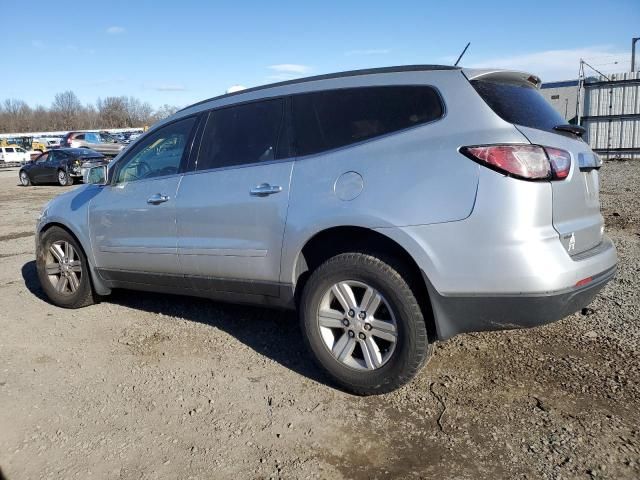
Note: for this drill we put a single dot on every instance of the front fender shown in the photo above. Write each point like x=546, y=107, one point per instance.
x=71, y=211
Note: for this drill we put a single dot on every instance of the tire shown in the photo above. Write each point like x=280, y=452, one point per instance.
x=52, y=267
x=25, y=181
x=63, y=178
x=381, y=360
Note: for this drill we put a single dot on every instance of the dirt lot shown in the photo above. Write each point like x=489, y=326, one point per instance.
x=146, y=386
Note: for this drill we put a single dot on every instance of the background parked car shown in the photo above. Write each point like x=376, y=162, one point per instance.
x=101, y=142
x=61, y=165
x=13, y=155
x=49, y=142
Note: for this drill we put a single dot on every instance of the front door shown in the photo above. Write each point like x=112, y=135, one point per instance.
x=39, y=171
x=133, y=218
x=232, y=206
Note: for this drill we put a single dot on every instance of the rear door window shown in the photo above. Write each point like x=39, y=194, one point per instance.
x=335, y=118
x=243, y=134
x=92, y=138
x=8, y=150
x=521, y=104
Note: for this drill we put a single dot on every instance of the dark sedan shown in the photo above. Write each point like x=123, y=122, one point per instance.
x=61, y=165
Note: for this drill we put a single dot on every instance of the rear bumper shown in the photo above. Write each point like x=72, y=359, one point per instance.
x=460, y=314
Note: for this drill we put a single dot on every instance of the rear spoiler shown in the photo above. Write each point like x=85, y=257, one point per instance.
x=503, y=76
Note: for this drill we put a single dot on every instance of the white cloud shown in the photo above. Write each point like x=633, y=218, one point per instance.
x=115, y=30
x=281, y=77
x=553, y=65
x=290, y=68
x=371, y=51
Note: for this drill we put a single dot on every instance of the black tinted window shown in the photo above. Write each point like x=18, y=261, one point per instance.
x=519, y=104
x=335, y=118
x=242, y=134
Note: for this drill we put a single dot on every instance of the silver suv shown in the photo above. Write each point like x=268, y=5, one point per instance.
x=101, y=142
x=392, y=207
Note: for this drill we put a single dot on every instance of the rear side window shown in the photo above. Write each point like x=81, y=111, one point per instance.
x=519, y=104
x=242, y=134
x=335, y=118
x=8, y=150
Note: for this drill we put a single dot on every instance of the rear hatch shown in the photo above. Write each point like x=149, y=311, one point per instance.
x=515, y=98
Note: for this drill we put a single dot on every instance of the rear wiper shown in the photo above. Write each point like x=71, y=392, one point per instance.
x=577, y=130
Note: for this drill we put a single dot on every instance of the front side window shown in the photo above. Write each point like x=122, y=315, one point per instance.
x=158, y=155
x=106, y=138
x=242, y=135
x=330, y=119
x=43, y=158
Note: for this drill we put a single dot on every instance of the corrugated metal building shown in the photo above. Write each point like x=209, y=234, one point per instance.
x=609, y=109
x=611, y=115
x=563, y=96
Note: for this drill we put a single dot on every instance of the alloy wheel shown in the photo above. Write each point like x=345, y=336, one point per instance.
x=63, y=267
x=357, y=325
x=24, y=179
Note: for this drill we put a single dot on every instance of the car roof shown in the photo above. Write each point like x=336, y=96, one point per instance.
x=329, y=76
x=80, y=152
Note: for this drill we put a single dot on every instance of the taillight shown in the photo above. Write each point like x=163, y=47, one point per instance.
x=560, y=162
x=529, y=162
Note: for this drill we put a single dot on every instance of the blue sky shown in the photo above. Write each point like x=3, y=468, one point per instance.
x=179, y=52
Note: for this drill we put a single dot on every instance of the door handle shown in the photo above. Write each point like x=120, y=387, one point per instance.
x=265, y=189
x=157, y=199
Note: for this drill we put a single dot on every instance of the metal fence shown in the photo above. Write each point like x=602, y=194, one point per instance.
x=611, y=115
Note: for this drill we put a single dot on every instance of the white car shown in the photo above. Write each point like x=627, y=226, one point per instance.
x=14, y=155
x=50, y=142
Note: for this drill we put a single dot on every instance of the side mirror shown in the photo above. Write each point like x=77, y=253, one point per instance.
x=95, y=175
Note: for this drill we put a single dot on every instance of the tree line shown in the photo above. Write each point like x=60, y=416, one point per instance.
x=67, y=113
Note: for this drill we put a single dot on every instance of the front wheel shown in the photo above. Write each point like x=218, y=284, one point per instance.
x=63, y=270
x=63, y=178
x=363, y=323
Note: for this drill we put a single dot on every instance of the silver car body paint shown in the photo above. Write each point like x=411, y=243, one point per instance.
x=473, y=232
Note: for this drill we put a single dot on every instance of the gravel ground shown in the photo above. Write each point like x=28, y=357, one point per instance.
x=146, y=386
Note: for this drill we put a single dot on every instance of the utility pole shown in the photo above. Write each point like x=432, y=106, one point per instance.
x=580, y=82
x=633, y=53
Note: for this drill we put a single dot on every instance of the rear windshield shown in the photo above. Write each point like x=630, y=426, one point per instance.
x=519, y=104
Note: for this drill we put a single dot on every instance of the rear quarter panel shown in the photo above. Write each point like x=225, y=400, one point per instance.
x=412, y=177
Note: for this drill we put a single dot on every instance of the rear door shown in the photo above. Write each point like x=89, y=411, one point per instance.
x=232, y=206
x=576, y=203
x=92, y=141
x=10, y=155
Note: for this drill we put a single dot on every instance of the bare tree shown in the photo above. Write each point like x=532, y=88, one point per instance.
x=67, y=113
x=67, y=107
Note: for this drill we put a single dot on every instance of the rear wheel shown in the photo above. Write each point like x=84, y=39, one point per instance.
x=363, y=323
x=63, y=178
x=25, y=181
x=63, y=270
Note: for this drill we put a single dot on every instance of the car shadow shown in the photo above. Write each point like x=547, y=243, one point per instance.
x=30, y=277
x=270, y=332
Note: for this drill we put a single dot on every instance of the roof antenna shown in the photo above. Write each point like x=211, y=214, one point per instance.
x=460, y=57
